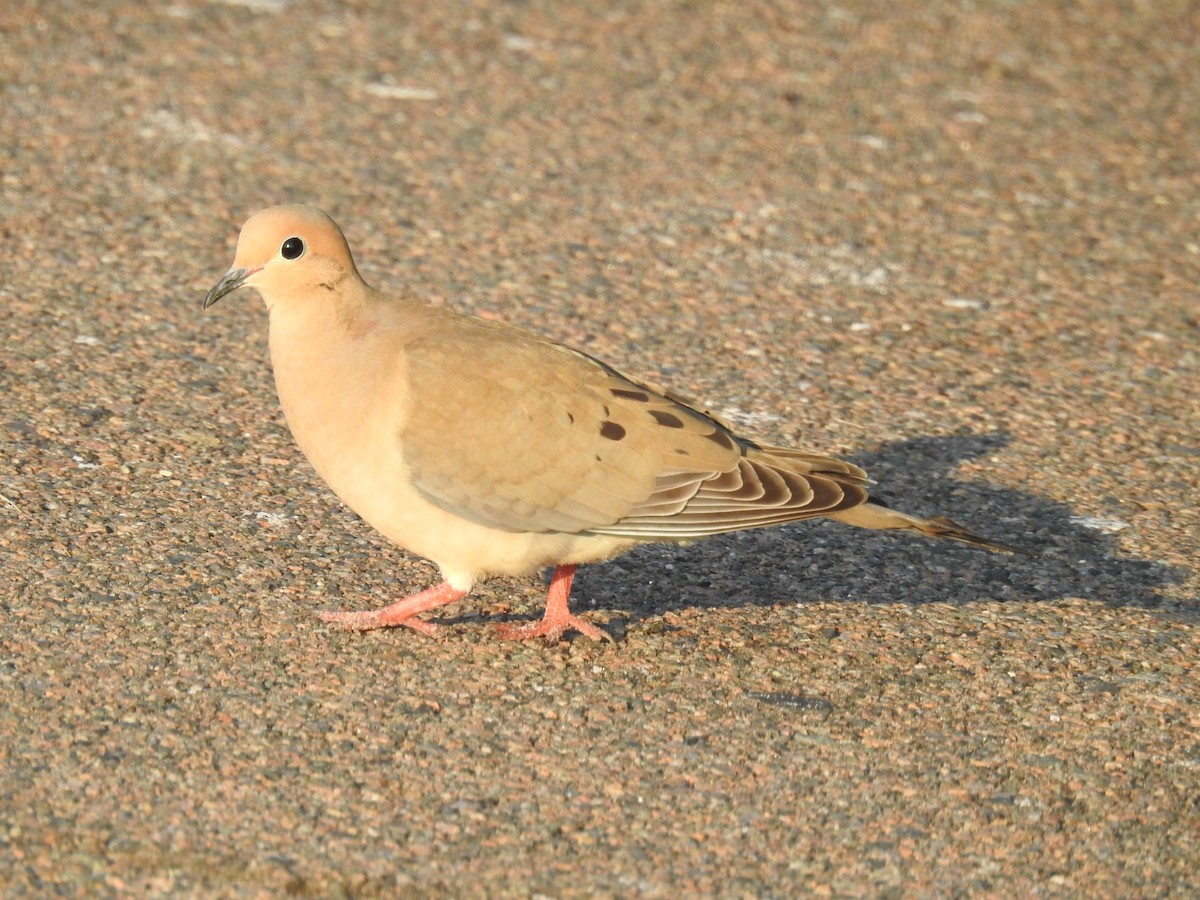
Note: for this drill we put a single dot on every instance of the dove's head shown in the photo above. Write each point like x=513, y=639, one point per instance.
x=287, y=250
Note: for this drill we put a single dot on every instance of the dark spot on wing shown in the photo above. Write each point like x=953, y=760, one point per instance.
x=612, y=431
x=571, y=418
x=639, y=396
x=721, y=438
x=666, y=419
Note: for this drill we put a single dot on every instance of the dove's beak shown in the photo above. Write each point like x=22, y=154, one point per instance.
x=230, y=282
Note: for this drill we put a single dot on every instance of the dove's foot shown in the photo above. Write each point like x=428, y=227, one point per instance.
x=402, y=612
x=558, y=619
x=552, y=630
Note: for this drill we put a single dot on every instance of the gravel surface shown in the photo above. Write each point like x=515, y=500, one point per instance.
x=958, y=243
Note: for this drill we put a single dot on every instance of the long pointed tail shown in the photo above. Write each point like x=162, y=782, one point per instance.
x=873, y=514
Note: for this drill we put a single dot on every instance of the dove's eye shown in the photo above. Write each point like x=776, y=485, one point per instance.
x=293, y=248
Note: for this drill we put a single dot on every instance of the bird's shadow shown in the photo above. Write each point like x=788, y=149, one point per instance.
x=824, y=560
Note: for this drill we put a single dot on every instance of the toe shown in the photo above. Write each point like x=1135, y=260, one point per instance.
x=371, y=619
x=552, y=631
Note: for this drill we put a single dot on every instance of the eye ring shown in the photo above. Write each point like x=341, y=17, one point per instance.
x=292, y=248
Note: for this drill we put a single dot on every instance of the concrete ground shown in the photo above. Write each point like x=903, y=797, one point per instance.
x=957, y=243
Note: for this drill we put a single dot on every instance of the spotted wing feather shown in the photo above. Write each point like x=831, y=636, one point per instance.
x=528, y=435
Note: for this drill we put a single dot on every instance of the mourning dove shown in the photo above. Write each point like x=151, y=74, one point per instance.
x=493, y=451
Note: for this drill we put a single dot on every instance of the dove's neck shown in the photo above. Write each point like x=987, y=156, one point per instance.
x=327, y=351
x=323, y=327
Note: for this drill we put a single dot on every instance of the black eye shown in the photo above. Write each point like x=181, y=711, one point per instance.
x=292, y=248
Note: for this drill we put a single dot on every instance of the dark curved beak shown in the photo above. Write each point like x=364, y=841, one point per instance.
x=230, y=282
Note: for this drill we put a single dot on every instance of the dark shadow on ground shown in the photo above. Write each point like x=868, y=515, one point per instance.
x=824, y=560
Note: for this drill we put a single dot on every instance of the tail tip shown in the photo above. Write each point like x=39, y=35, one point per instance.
x=945, y=527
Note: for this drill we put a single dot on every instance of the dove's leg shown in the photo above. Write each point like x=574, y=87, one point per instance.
x=401, y=612
x=558, y=619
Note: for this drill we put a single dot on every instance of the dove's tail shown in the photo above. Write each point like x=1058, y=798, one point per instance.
x=874, y=514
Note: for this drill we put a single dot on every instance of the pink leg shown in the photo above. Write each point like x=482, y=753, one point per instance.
x=399, y=613
x=558, y=616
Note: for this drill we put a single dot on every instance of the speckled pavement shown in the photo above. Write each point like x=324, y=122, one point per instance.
x=958, y=243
